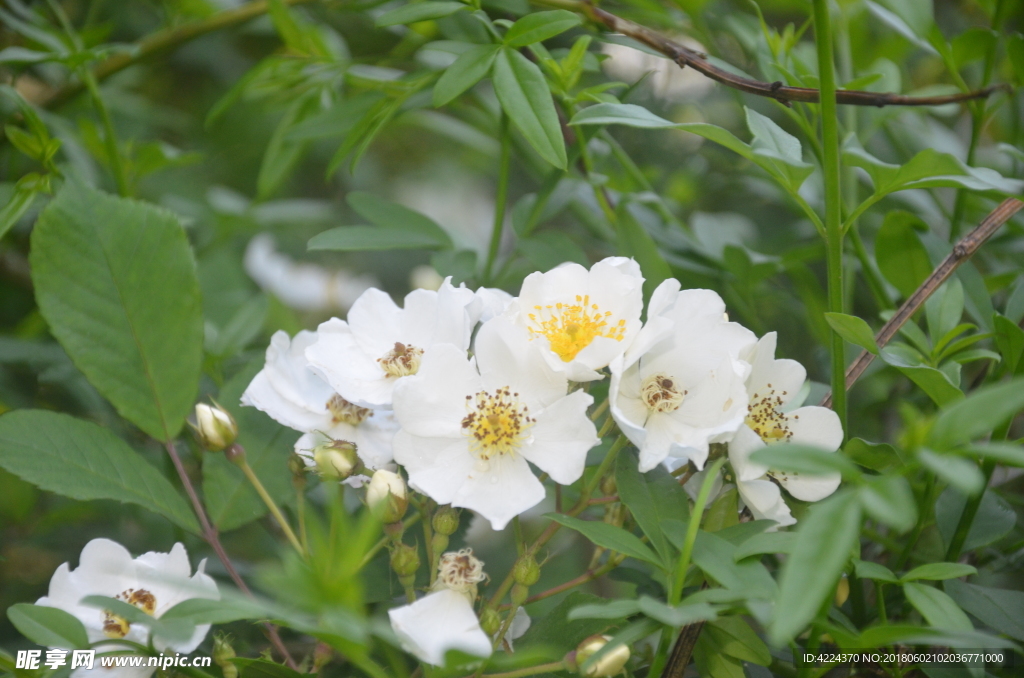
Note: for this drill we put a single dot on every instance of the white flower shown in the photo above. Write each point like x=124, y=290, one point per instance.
x=583, y=319
x=680, y=385
x=466, y=436
x=153, y=582
x=517, y=629
x=772, y=385
x=444, y=619
x=363, y=358
x=488, y=303
x=293, y=394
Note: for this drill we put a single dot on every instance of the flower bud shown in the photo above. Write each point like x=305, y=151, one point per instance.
x=336, y=460
x=519, y=595
x=439, y=543
x=608, y=486
x=405, y=561
x=490, y=621
x=526, y=570
x=215, y=428
x=222, y=655
x=386, y=496
x=446, y=520
x=609, y=665
x=842, y=591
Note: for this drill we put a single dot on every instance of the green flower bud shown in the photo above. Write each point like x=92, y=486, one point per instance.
x=490, y=621
x=446, y=520
x=610, y=664
x=336, y=460
x=215, y=427
x=608, y=486
x=519, y=595
x=526, y=570
x=439, y=542
x=405, y=561
x=386, y=496
x=222, y=655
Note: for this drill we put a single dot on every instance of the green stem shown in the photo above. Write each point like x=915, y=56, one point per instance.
x=271, y=505
x=923, y=515
x=109, y=140
x=963, y=527
x=517, y=527
x=833, y=199
x=300, y=510
x=661, y=655
x=880, y=595
x=384, y=541
x=529, y=671
x=504, y=170
x=692, y=528
x=588, y=168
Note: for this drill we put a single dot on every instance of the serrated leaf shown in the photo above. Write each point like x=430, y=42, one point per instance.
x=48, y=626
x=526, y=99
x=116, y=282
x=540, y=26
x=81, y=460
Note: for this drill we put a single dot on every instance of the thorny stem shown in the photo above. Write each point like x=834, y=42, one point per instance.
x=504, y=170
x=962, y=251
x=211, y=537
x=257, y=485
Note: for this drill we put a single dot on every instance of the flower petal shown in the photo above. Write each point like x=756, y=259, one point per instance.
x=815, y=426
x=744, y=444
x=785, y=377
x=507, y=357
x=439, y=622
x=764, y=499
x=499, y=489
x=262, y=395
x=351, y=370
x=561, y=438
x=437, y=467
x=433, y=401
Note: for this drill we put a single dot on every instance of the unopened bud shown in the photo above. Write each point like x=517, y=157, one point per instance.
x=386, y=496
x=526, y=570
x=222, y=655
x=842, y=591
x=519, y=595
x=405, y=561
x=336, y=460
x=446, y=520
x=608, y=665
x=490, y=621
x=215, y=427
x=609, y=486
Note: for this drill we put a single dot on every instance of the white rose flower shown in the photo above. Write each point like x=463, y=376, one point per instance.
x=153, y=582
x=680, y=385
x=364, y=357
x=294, y=395
x=488, y=303
x=467, y=436
x=583, y=319
x=771, y=386
x=444, y=619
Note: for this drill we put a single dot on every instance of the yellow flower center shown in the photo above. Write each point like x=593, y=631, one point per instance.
x=343, y=411
x=661, y=393
x=116, y=626
x=497, y=423
x=571, y=327
x=401, y=361
x=766, y=419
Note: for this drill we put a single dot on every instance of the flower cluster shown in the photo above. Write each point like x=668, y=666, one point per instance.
x=466, y=390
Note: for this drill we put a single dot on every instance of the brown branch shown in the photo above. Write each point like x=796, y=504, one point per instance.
x=962, y=251
x=684, y=56
x=682, y=651
x=211, y=537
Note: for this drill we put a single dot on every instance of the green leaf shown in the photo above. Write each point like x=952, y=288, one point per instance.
x=1001, y=609
x=901, y=256
x=539, y=26
x=767, y=542
x=48, y=626
x=561, y=631
x=387, y=214
x=854, y=330
x=336, y=121
x=875, y=456
x=610, y=537
x=284, y=152
x=678, y=616
x=825, y=537
x=419, y=11
x=81, y=460
x=939, y=609
x=717, y=558
x=206, y=611
x=889, y=499
x=1003, y=453
x=230, y=499
x=524, y=95
x=116, y=282
x=960, y=473
x=712, y=662
x=803, y=459
x=362, y=238
x=1010, y=340
x=939, y=572
x=866, y=569
x=735, y=638
x=993, y=521
x=636, y=242
x=607, y=609
x=466, y=71
x=979, y=413
x=19, y=203
x=178, y=630
x=777, y=150
x=933, y=382
x=638, y=494
x=261, y=668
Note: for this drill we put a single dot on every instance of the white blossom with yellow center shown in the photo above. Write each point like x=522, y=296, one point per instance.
x=292, y=393
x=153, y=582
x=584, y=319
x=444, y=619
x=469, y=429
x=772, y=387
x=363, y=357
x=680, y=386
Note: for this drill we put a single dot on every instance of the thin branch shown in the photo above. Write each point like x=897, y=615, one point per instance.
x=684, y=56
x=210, y=535
x=962, y=251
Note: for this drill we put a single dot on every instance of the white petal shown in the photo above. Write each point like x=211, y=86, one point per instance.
x=744, y=444
x=507, y=357
x=350, y=369
x=499, y=489
x=561, y=438
x=764, y=499
x=809, y=488
x=288, y=371
x=433, y=401
x=262, y=395
x=785, y=377
x=437, y=623
x=437, y=467
x=375, y=321
x=105, y=568
x=489, y=302
x=628, y=410
x=815, y=426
